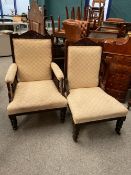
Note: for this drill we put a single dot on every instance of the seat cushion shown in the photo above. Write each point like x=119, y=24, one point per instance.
x=35, y=96
x=91, y=104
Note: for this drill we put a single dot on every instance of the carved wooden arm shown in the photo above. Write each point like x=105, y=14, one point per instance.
x=58, y=77
x=11, y=80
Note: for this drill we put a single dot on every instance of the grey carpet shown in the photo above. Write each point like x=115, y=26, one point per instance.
x=44, y=146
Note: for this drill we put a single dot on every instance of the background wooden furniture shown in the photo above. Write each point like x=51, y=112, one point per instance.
x=57, y=33
x=87, y=15
x=116, y=24
x=76, y=29
x=118, y=63
x=36, y=19
x=118, y=76
x=72, y=30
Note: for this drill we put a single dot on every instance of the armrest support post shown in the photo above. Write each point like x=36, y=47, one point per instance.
x=11, y=80
x=58, y=77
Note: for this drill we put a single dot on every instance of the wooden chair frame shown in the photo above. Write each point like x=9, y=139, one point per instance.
x=11, y=87
x=102, y=76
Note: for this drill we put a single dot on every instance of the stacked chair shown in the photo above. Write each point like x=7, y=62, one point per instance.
x=76, y=29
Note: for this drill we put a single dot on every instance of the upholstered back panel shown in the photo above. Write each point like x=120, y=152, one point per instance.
x=33, y=58
x=83, y=66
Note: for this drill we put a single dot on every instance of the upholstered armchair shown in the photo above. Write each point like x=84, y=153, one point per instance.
x=30, y=78
x=87, y=100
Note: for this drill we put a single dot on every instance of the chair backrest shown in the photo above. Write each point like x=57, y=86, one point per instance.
x=36, y=19
x=33, y=58
x=83, y=65
x=76, y=29
x=72, y=30
x=53, y=24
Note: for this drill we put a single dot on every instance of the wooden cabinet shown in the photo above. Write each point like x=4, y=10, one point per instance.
x=118, y=77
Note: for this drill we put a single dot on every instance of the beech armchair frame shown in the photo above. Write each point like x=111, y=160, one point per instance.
x=11, y=85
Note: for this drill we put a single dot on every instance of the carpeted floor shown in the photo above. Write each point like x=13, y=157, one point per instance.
x=44, y=146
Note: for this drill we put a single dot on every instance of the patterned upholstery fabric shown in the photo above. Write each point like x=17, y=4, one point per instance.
x=33, y=58
x=84, y=27
x=57, y=71
x=72, y=30
x=83, y=66
x=91, y=104
x=10, y=76
x=35, y=96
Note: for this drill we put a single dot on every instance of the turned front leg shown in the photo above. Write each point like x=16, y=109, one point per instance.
x=13, y=122
x=119, y=124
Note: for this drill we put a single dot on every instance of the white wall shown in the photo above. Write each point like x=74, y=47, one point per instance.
x=106, y=7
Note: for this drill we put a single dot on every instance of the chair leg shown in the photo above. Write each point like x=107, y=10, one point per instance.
x=129, y=104
x=119, y=124
x=13, y=122
x=76, y=129
x=63, y=114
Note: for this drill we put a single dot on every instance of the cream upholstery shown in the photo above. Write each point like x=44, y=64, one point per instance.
x=35, y=96
x=91, y=104
x=83, y=66
x=33, y=58
x=57, y=71
x=10, y=76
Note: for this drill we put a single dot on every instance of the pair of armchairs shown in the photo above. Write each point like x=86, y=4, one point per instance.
x=32, y=89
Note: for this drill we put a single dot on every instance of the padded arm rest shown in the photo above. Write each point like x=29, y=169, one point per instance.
x=11, y=73
x=57, y=71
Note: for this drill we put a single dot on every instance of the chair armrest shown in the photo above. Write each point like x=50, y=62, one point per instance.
x=57, y=71
x=58, y=77
x=11, y=81
x=11, y=73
